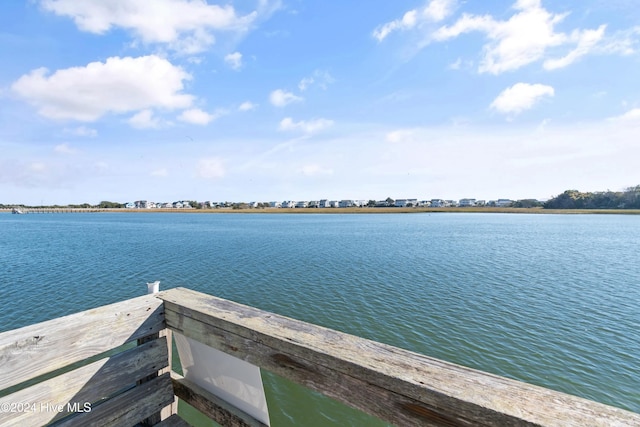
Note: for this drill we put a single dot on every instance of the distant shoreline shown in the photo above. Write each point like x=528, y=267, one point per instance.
x=362, y=210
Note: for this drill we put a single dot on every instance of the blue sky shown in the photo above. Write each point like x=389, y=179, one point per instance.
x=271, y=100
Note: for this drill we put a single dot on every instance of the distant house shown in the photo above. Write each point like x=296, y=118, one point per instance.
x=288, y=204
x=275, y=204
x=302, y=204
x=503, y=203
x=405, y=203
x=324, y=203
x=334, y=204
x=381, y=204
x=130, y=205
x=465, y=203
x=177, y=205
x=438, y=203
x=450, y=203
x=346, y=204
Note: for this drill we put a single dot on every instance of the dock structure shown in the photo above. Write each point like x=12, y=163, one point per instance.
x=111, y=366
x=25, y=210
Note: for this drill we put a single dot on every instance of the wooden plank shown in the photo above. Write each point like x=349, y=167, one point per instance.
x=215, y=408
x=173, y=407
x=396, y=385
x=38, y=349
x=53, y=399
x=369, y=398
x=127, y=409
x=173, y=421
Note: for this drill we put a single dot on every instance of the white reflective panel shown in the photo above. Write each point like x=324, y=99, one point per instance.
x=231, y=379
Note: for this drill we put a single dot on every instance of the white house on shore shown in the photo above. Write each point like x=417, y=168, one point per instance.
x=503, y=203
x=404, y=203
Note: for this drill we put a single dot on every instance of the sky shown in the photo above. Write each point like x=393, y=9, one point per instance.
x=273, y=100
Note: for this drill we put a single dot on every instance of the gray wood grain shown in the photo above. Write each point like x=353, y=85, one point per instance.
x=52, y=399
x=399, y=386
x=38, y=349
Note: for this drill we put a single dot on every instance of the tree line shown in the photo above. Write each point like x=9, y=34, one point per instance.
x=570, y=199
x=574, y=199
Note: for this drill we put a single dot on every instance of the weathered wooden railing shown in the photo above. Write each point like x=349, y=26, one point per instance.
x=398, y=386
x=96, y=367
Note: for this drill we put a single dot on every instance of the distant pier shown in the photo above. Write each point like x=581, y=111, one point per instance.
x=22, y=210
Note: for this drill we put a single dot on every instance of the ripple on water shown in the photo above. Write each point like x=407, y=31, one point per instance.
x=551, y=300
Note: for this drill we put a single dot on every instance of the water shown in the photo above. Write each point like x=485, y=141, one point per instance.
x=552, y=300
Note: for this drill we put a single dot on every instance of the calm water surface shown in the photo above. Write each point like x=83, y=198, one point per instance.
x=552, y=300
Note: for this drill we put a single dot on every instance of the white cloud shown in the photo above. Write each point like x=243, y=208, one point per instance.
x=407, y=21
x=305, y=83
x=456, y=64
x=82, y=131
x=118, y=85
x=434, y=11
x=530, y=35
x=437, y=10
x=312, y=126
x=144, y=120
x=315, y=170
x=185, y=26
x=520, y=97
x=280, y=98
x=195, y=60
x=210, y=168
x=630, y=116
x=64, y=148
x=514, y=43
x=234, y=60
x=198, y=117
x=586, y=40
x=247, y=106
x=625, y=42
x=400, y=135
x=319, y=78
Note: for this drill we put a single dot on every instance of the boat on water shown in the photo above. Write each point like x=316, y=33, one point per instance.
x=16, y=211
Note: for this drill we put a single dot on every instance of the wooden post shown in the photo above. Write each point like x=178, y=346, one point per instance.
x=169, y=410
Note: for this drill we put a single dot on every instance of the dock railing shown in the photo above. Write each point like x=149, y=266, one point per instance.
x=131, y=385
x=97, y=367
